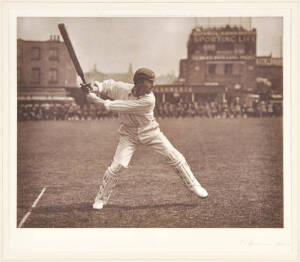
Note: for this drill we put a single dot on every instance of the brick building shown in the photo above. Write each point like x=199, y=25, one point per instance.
x=219, y=59
x=222, y=62
x=44, y=70
x=270, y=68
x=220, y=56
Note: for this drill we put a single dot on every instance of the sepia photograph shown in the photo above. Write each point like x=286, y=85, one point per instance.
x=150, y=122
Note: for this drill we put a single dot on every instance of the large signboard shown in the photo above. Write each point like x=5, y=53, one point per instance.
x=173, y=89
x=224, y=38
x=188, y=89
x=223, y=57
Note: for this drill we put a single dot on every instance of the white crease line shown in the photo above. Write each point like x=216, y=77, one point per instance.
x=33, y=206
x=24, y=219
x=38, y=198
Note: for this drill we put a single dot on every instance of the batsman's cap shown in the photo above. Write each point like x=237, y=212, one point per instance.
x=144, y=73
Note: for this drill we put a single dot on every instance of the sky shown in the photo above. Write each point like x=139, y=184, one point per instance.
x=111, y=43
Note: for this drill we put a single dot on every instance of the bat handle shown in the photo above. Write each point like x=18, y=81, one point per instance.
x=83, y=79
x=86, y=87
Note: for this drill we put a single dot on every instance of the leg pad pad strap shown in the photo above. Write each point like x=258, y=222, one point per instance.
x=109, y=182
x=185, y=173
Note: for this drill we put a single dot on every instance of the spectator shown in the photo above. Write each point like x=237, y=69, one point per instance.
x=212, y=109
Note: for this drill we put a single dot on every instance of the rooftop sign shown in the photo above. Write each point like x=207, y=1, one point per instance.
x=232, y=38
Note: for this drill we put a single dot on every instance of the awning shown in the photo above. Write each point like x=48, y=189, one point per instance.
x=188, y=89
x=46, y=98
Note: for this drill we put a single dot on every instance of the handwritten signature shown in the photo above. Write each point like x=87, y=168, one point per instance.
x=256, y=243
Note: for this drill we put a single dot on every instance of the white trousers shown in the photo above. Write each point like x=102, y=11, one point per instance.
x=154, y=139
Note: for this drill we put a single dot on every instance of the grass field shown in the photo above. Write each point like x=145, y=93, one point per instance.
x=238, y=161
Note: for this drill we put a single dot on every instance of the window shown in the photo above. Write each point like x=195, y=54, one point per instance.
x=211, y=69
x=35, y=53
x=249, y=48
x=228, y=69
x=35, y=75
x=53, y=53
x=53, y=76
x=225, y=46
x=209, y=49
x=237, y=69
x=239, y=49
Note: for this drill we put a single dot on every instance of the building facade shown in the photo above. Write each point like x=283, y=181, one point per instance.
x=44, y=68
x=270, y=68
x=222, y=63
x=220, y=56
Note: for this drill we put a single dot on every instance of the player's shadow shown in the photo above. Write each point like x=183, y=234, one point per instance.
x=155, y=206
x=85, y=206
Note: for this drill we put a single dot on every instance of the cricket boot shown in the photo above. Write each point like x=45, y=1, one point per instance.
x=185, y=173
x=108, y=184
x=177, y=160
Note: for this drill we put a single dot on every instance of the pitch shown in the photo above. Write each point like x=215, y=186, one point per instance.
x=238, y=161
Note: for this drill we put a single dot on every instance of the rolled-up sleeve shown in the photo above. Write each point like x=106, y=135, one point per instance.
x=142, y=105
x=112, y=89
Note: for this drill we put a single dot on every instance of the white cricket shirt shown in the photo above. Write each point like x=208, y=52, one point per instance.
x=135, y=113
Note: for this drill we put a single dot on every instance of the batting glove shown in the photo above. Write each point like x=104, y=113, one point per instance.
x=86, y=88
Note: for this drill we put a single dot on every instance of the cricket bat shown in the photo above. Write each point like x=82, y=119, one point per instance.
x=68, y=43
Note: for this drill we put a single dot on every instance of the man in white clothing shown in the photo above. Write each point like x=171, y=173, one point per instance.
x=135, y=104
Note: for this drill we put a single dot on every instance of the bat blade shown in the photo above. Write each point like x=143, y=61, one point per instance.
x=71, y=51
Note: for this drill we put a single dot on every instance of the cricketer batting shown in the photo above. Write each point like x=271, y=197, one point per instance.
x=135, y=104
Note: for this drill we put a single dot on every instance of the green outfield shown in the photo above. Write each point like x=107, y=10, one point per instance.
x=238, y=161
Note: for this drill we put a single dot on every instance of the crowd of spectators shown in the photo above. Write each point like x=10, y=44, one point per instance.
x=61, y=112
x=162, y=110
x=219, y=110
